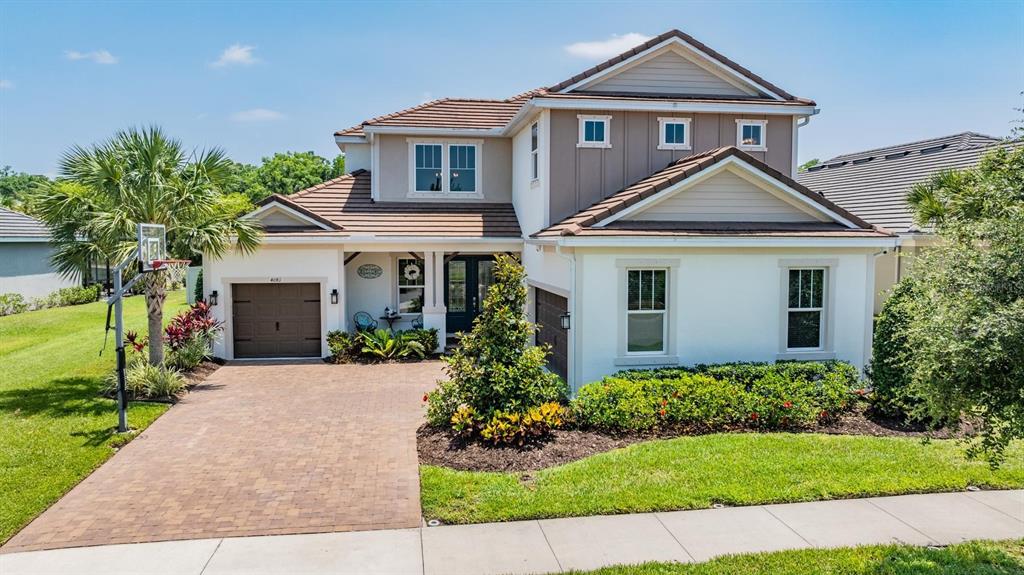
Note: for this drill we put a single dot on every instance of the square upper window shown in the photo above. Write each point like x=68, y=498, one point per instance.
x=674, y=134
x=750, y=135
x=438, y=168
x=594, y=132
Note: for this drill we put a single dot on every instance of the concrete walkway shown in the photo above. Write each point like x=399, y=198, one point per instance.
x=555, y=545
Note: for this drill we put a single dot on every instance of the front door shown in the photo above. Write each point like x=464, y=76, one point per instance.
x=466, y=279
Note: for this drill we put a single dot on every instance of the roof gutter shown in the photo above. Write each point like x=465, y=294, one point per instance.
x=616, y=104
x=419, y=131
x=884, y=242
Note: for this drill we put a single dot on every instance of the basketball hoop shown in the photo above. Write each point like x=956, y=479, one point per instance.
x=175, y=269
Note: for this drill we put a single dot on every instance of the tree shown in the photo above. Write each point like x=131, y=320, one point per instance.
x=808, y=164
x=992, y=190
x=283, y=173
x=142, y=176
x=16, y=187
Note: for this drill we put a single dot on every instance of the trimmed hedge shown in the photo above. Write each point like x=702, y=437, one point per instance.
x=715, y=397
x=892, y=392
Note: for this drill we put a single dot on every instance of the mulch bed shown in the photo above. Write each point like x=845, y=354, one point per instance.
x=443, y=448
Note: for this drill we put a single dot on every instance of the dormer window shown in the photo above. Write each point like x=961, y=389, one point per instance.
x=439, y=168
x=674, y=134
x=594, y=132
x=750, y=135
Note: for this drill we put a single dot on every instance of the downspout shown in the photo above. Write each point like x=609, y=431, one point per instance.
x=571, y=373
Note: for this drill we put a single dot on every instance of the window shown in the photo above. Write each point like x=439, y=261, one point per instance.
x=440, y=168
x=428, y=168
x=594, y=132
x=534, y=155
x=646, y=321
x=674, y=133
x=805, y=315
x=750, y=134
x=462, y=166
x=410, y=285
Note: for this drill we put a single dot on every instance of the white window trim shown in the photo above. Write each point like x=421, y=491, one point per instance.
x=396, y=289
x=583, y=119
x=764, y=135
x=826, y=348
x=534, y=154
x=646, y=358
x=445, y=171
x=663, y=145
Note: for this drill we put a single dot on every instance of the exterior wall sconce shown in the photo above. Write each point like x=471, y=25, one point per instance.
x=566, y=321
x=213, y=297
x=334, y=295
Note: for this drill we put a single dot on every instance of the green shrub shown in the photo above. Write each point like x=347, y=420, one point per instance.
x=12, y=303
x=711, y=397
x=442, y=404
x=78, y=295
x=426, y=337
x=197, y=291
x=519, y=428
x=343, y=346
x=891, y=370
x=382, y=345
x=145, y=381
x=189, y=355
x=494, y=368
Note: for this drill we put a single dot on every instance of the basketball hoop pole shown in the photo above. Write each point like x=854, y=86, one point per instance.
x=116, y=299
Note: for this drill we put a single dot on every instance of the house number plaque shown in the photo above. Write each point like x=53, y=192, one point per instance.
x=369, y=271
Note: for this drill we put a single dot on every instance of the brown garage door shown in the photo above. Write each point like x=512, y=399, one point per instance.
x=276, y=320
x=550, y=307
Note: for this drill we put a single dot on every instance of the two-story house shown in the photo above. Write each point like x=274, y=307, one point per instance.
x=651, y=199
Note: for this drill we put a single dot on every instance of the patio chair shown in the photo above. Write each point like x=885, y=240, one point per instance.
x=417, y=322
x=364, y=321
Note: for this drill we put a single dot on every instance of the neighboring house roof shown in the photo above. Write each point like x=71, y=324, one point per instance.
x=18, y=226
x=346, y=204
x=486, y=114
x=874, y=183
x=584, y=222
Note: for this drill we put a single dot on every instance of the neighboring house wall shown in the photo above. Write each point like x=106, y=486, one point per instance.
x=25, y=269
x=724, y=305
x=581, y=177
x=495, y=163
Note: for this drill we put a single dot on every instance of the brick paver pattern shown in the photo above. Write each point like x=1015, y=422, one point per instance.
x=258, y=449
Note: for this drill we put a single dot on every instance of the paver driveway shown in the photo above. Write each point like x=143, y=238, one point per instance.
x=258, y=449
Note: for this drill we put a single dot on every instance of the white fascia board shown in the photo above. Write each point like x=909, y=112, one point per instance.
x=672, y=106
x=718, y=65
x=350, y=140
x=25, y=239
x=728, y=242
x=272, y=205
x=415, y=242
x=418, y=131
x=711, y=171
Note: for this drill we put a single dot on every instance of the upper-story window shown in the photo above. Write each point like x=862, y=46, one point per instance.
x=594, y=132
x=441, y=168
x=534, y=152
x=750, y=135
x=674, y=134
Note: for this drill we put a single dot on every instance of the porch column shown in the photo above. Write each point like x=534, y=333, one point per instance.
x=434, y=309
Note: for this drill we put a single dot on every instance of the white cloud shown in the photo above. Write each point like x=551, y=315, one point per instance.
x=256, y=115
x=6, y=84
x=604, y=49
x=96, y=56
x=235, y=54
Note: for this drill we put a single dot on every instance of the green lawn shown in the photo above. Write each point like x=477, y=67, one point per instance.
x=54, y=428
x=696, y=472
x=975, y=558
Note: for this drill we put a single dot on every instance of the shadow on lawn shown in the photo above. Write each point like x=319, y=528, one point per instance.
x=61, y=397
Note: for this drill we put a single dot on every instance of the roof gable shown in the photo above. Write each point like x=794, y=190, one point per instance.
x=279, y=213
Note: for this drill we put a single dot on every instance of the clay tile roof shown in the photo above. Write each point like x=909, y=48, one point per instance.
x=345, y=202
x=18, y=225
x=464, y=113
x=874, y=183
x=689, y=40
x=582, y=222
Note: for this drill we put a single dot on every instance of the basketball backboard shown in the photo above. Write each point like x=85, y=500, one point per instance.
x=152, y=245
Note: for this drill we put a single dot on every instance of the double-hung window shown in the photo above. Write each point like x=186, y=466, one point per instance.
x=646, y=311
x=594, y=132
x=410, y=285
x=444, y=168
x=674, y=134
x=750, y=135
x=534, y=152
x=805, y=313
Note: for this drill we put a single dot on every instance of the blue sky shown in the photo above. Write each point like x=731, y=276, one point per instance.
x=264, y=77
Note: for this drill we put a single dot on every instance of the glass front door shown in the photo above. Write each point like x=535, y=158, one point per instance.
x=466, y=280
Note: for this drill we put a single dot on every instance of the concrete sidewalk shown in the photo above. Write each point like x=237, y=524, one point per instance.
x=555, y=545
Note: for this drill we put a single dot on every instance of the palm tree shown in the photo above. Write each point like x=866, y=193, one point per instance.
x=141, y=176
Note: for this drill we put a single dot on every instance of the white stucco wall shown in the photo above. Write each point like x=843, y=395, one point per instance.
x=373, y=295
x=726, y=306
x=275, y=264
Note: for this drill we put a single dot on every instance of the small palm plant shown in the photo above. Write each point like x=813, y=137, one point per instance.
x=383, y=345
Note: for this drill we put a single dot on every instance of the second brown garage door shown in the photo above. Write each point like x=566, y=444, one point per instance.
x=550, y=308
x=276, y=320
